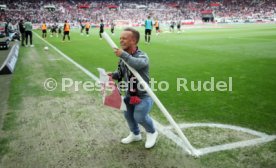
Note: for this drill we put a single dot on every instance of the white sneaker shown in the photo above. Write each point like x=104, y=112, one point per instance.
x=32, y=45
x=131, y=138
x=151, y=139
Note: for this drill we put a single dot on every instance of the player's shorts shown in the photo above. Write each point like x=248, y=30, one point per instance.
x=178, y=27
x=156, y=28
x=101, y=30
x=87, y=29
x=44, y=31
x=66, y=32
x=54, y=30
x=148, y=32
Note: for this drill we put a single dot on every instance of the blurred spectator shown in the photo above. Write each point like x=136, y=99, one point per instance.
x=28, y=32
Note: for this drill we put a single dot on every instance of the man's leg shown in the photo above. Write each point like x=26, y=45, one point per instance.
x=31, y=38
x=100, y=34
x=27, y=36
x=22, y=38
x=132, y=124
x=129, y=116
x=63, y=36
x=141, y=115
x=146, y=37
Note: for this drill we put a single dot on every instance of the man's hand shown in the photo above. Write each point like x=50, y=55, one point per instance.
x=109, y=73
x=118, y=52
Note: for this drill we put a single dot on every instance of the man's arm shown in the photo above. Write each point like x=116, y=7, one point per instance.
x=114, y=75
x=117, y=75
x=134, y=62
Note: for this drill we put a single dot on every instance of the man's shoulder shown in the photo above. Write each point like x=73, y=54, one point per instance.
x=140, y=53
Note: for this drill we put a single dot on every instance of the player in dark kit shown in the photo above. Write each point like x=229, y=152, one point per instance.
x=82, y=27
x=112, y=27
x=172, y=26
x=59, y=30
x=54, y=30
x=101, y=29
x=178, y=26
x=22, y=32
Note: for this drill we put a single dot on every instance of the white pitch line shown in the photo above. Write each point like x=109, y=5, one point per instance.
x=263, y=137
x=70, y=60
x=248, y=38
x=225, y=126
x=170, y=135
x=240, y=144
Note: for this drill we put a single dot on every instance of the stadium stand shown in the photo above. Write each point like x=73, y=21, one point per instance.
x=165, y=11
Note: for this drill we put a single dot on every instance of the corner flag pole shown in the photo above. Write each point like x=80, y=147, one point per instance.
x=189, y=148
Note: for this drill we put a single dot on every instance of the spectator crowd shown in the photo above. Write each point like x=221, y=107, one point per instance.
x=52, y=11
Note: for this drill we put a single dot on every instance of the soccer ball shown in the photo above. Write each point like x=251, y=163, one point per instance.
x=46, y=48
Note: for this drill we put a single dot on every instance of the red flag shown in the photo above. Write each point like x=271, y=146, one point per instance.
x=110, y=92
x=114, y=99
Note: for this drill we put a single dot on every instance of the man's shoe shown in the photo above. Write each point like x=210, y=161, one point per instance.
x=131, y=138
x=151, y=139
